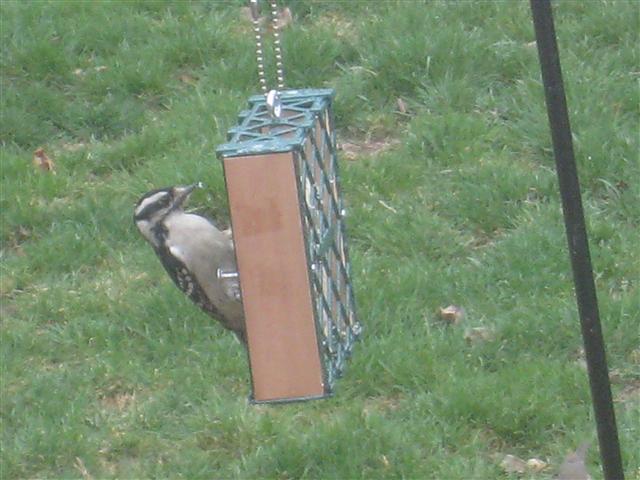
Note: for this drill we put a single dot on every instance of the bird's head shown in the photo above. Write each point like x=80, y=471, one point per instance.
x=154, y=206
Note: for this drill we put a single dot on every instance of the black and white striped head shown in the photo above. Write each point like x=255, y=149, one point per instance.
x=154, y=206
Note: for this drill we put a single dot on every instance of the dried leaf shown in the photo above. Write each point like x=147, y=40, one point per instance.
x=387, y=206
x=513, y=464
x=402, y=107
x=79, y=465
x=42, y=161
x=536, y=465
x=574, y=467
x=285, y=18
x=385, y=461
x=101, y=68
x=78, y=72
x=22, y=233
x=580, y=358
x=622, y=185
x=452, y=314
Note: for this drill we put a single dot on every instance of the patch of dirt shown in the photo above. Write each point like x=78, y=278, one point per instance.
x=6, y=311
x=73, y=147
x=353, y=149
x=118, y=400
x=8, y=286
x=17, y=237
x=341, y=27
x=629, y=393
x=381, y=405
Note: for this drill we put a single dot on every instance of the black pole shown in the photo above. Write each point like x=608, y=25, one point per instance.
x=577, y=239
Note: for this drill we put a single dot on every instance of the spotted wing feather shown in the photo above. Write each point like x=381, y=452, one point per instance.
x=180, y=275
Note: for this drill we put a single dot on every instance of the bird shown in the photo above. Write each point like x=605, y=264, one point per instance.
x=199, y=258
x=574, y=466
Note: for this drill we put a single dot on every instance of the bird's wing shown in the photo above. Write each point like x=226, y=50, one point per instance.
x=197, y=238
x=180, y=275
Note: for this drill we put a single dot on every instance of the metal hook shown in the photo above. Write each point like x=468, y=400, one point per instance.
x=255, y=11
x=274, y=103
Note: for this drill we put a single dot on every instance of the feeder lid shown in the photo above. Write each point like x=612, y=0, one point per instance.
x=258, y=132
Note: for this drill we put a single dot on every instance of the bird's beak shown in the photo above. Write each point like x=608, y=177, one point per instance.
x=181, y=194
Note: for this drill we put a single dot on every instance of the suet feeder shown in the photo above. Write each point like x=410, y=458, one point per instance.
x=287, y=216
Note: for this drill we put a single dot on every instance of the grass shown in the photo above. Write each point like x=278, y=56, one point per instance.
x=108, y=372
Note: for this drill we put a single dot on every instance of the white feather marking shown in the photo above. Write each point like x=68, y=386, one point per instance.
x=176, y=252
x=149, y=201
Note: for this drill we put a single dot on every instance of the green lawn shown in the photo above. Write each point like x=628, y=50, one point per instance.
x=109, y=372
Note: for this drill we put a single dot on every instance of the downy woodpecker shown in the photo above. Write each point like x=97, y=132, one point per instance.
x=194, y=253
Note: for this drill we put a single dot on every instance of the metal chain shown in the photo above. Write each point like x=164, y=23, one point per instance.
x=257, y=30
x=277, y=44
